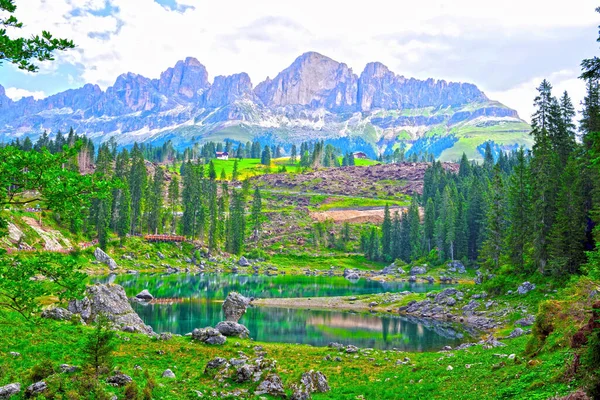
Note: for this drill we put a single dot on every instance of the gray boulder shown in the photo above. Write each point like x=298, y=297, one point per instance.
x=389, y=270
x=7, y=391
x=272, y=386
x=36, y=389
x=57, y=313
x=105, y=259
x=315, y=382
x=168, y=374
x=352, y=276
x=119, y=380
x=160, y=255
x=527, y=321
x=244, y=373
x=525, y=288
x=230, y=328
x=235, y=306
x=418, y=271
x=68, y=369
x=456, y=266
x=516, y=333
x=209, y=336
x=111, y=301
x=144, y=295
x=243, y=262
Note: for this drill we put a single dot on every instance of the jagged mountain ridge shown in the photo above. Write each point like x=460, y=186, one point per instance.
x=314, y=98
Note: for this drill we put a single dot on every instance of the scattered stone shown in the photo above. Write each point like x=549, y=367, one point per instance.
x=491, y=342
x=68, y=369
x=165, y=336
x=244, y=373
x=119, y=380
x=334, y=345
x=272, y=385
x=36, y=388
x=243, y=262
x=418, y=271
x=449, y=368
x=516, y=333
x=525, y=288
x=527, y=321
x=111, y=301
x=9, y=390
x=351, y=349
x=168, y=374
x=231, y=328
x=373, y=304
x=353, y=276
x=144, y=295
x=57, y=313
x=105, y=259
x=160, y=255
x=209, y=336
x=235, y=306
x=338, y=359
x=412, y=279
x=14, y=354
x=215, y=363
x=311, y=382
x=456, y=266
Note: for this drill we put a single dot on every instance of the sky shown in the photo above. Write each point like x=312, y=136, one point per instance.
x=504, y=47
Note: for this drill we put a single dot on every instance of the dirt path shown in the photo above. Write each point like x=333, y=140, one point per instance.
x=373, y=215
x=316, y=303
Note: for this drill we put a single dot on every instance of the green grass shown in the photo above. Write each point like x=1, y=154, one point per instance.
x=324, y=203
x=367, y=374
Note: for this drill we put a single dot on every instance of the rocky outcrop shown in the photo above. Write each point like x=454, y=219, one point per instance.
x=234, y=306
x=119, y=379
x=272, y=386
x=208, y=336
x=229, y=89
x=104, y=258
x=525, y=288
x=57, y=313
x=311, y=382
x=9, y=390
x=187, y=79
x=35, y=389
x=109, y=300
x=232, y=329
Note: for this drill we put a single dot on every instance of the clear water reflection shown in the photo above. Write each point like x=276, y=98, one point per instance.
x=192, y=301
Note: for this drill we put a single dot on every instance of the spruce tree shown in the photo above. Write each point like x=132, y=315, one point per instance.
x=256, y=214
x=518, y=211
x=495, y=227
x=386, y=233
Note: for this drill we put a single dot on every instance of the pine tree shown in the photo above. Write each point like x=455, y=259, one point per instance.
x=212, y=172
x=414, y=234
x=235, y=174
x=429, y=224
x=173, y=201
x=386, y=233
x=137, y=186
x=256, y=214
x=568, y=232
x=293, y=155
x=465, y=167
x=495, y=227
x=124, y=212
x=265, y=158
x=518, y=211
x=155, y=200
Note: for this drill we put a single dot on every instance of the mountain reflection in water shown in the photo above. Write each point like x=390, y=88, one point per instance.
x=195, y=303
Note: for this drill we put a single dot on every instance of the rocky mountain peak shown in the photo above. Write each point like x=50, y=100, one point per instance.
x=311, y=80
x=187, y=79
x=227, y=89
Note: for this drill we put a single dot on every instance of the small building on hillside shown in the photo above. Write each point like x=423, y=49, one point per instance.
x=360, y=154
x=222, y=155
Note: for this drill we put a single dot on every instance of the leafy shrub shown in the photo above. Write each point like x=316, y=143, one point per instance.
x=41, y=371
x=543, y=326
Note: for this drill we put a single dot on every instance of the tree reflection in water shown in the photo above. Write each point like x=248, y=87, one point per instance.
x=193, y=301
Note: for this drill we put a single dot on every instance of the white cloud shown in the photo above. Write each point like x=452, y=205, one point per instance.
x=16, y=93
x=521, y=97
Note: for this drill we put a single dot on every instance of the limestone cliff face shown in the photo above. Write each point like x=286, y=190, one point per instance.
x=378, y=87
x=312, y=80
x=228, y=89
x=187, y=79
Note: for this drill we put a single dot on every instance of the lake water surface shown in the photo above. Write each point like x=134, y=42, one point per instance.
x=194, y=301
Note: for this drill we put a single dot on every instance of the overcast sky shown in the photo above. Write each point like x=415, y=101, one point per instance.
x=505, y=47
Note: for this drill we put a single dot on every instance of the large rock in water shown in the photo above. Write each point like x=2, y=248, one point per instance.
x=111, y=301
x=231, y=328
x=234, y=306
x=105, y=259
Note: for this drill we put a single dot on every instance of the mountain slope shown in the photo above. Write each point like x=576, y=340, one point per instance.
x=314, y=98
